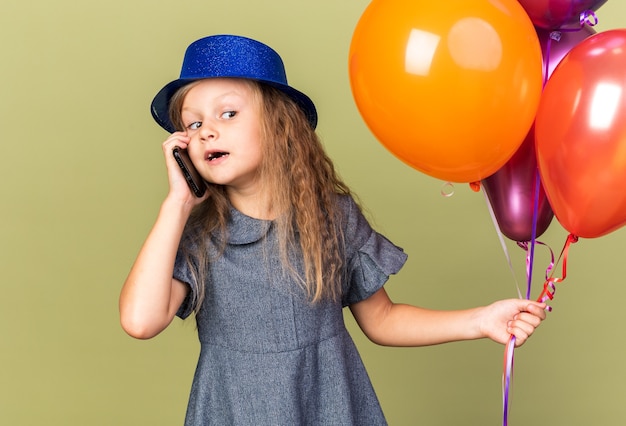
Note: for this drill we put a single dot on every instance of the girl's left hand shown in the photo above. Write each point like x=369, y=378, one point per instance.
x=518, y=317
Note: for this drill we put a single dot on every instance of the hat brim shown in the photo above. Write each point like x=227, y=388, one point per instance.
x=161, y=103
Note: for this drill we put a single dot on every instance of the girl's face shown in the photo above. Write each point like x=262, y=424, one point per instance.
x=222, y=118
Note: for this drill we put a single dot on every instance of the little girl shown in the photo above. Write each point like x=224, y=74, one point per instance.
x=267, y=258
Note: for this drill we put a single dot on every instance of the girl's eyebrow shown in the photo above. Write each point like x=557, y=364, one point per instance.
x=217, y=98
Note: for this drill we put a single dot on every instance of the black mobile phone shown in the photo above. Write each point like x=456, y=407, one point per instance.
x=193, y=178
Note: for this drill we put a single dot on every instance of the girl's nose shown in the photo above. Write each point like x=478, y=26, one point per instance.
x=207, y=132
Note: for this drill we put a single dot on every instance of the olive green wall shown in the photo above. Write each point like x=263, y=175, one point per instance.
x=82, y=180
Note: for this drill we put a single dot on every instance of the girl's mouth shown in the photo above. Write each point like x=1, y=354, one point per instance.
x=215, y=155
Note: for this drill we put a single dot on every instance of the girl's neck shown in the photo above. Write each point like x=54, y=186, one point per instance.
x=254, y=205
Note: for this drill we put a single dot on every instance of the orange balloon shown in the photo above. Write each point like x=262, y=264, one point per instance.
x=580, y=136
x=449, y=87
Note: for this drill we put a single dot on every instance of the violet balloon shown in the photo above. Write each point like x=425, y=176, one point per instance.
x=556, y=44
x=511, y=193
x=511, y=190
x=555, y=14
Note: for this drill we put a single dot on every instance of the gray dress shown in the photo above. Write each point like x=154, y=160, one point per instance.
x=268, y=356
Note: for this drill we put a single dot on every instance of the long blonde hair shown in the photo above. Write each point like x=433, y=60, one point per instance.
x=303, y=184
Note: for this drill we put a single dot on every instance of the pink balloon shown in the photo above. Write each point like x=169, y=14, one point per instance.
x=511, y=193
x=556, y=44
x=555, y=14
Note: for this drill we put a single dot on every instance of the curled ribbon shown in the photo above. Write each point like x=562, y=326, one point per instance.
x=524, y=245
x=549, y=286
x=588, y=17
x=549, y=289
x=447, y=189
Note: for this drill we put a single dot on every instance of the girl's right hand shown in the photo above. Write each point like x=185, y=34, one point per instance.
x=179, y=189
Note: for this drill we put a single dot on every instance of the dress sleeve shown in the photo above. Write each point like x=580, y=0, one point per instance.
x=372, y=258
x=183, y=273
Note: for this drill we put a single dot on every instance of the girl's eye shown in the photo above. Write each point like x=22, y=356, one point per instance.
x=227, y=115
x=195, y=125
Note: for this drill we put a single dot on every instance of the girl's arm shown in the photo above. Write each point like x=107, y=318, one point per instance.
x=150, y=296
x=390, y=324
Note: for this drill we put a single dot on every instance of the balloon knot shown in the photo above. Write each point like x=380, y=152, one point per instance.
x=556, y=35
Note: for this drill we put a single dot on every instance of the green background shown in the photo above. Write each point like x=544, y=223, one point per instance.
x=83, y=178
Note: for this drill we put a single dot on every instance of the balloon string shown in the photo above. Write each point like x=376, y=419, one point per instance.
x=502, y=243
x=549, y=286
x=531, y=257
x=524, y=246
x=588, y=17
x=549, y=289
x=507, y=376
x=554, y=35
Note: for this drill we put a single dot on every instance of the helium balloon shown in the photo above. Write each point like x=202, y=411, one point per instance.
x=581, y=136
x=556, y=14
x=450, y=88
x=513, y=191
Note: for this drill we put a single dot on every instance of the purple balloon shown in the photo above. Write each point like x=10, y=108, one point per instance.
x=556, y=44
x=555, y=14
x=511, y=193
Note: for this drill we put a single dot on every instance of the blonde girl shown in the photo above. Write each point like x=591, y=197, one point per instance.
x=271, y=254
